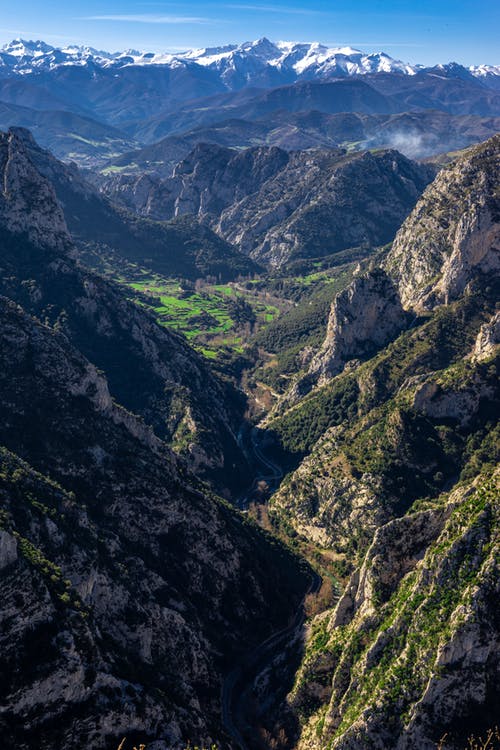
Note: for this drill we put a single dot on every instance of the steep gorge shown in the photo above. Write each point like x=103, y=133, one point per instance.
x=128, y=588
x=145, y=589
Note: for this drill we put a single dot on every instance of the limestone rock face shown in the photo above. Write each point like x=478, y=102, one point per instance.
x=213, y=178
x=412, y=649
x=8, y=549
x=458, y=402
x=363, y=318
x=326, y=503
x=453, y=233
x=276, y=205
x=28, y=205
x=126, y=592
x=402, y=422
x=488, y=338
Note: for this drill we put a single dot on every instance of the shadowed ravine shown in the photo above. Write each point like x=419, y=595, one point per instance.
x=241, y=707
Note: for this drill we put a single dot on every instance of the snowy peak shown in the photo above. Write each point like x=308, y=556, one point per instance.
x=25, y=56
x=24, y=48
x=300, y=59
x=259, y=62
x=321, y=61
x=262, y=48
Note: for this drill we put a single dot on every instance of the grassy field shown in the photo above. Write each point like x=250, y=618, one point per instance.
x=224, y=317
x=210, y=316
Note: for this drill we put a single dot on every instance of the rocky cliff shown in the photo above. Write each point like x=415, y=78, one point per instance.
x=413, y=645
x=276, y=206
x=453, y=234
x=390, y=424
x=411, y=652
x=151, y=371
x=126, y=591
x=28, y=204
x=363, y=318
x=450, y=241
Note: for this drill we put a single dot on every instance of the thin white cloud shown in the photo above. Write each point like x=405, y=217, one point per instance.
x=149, y=18
x=274, y=9
x=371, y=44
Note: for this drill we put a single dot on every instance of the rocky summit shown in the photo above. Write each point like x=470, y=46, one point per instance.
x=249, y=399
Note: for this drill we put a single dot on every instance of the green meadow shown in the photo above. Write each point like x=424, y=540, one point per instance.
x=210, y=316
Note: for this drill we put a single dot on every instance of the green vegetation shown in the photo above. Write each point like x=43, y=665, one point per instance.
x=390, y=656
x=52, y=573
x=300, y=428
x=190, y=290
x=278, y=315
x=26, y=493
x=211, y=316
x=117, y=170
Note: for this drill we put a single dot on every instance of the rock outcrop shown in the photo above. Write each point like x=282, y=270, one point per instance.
x=453, y=234
x=363, y=318
x=27, y=204
x=392, y=441
x=413, y=645
x=325, y=503
x=487, y=339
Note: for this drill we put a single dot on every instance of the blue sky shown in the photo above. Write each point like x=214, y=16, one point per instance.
x=426, y=31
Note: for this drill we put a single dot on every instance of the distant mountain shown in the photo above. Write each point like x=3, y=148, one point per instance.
x=89, y=105
x=67, y=134
x=415, y=134
x=373, y=94
x=260, y=63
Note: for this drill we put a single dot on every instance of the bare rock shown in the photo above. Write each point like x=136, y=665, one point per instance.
x=488, y=339
x=28, y=204
x=363, y=318
x=453, y=233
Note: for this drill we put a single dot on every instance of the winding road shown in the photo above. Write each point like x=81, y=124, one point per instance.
x=270, y=472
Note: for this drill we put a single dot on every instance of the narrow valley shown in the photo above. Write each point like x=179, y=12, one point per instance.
x=249, y=394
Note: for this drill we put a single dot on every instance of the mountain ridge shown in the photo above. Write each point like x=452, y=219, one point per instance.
x=41, y=272
x=299, y=60
x=396, y=473
x=276, y=205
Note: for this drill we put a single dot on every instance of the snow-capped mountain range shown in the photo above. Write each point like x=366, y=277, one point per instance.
x=235, y=65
